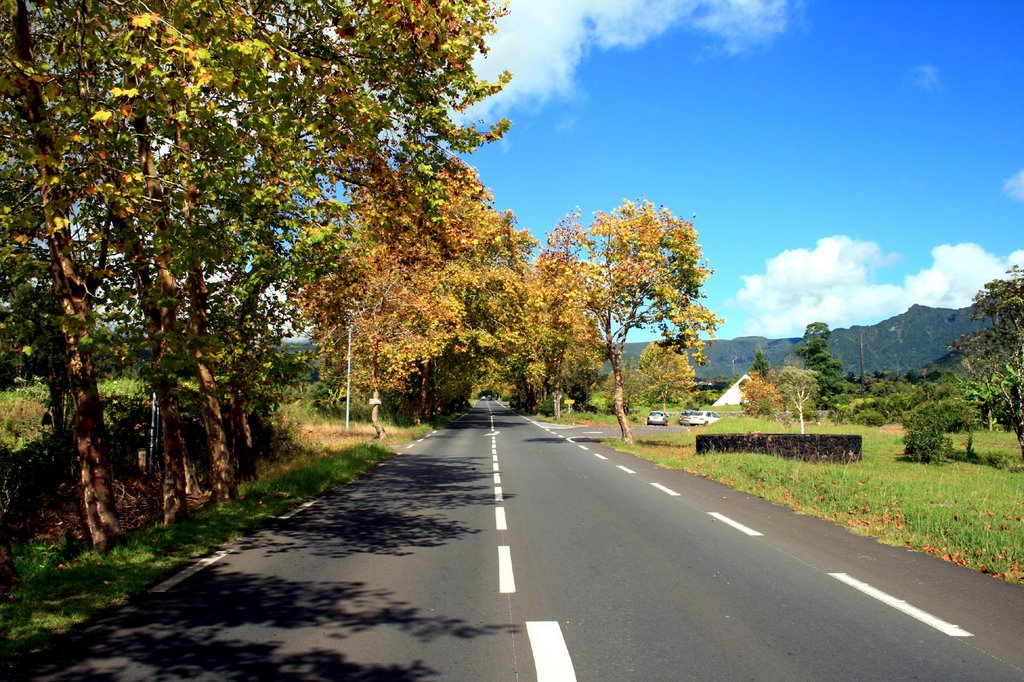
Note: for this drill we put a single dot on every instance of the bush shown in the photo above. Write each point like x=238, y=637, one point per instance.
x=926, y=436
x=869, y=418
x=29, y=472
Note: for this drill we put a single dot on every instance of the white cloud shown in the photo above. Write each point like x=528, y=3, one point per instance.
x=542, y=42
x=926, y=77
x=1014, y=186
x=835, y=283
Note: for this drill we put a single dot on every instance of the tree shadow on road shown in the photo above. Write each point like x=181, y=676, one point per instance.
x=234, y=627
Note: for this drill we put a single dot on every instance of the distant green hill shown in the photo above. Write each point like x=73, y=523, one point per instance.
x=912, y=340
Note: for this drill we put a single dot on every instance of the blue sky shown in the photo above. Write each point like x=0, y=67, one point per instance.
x=844, y=159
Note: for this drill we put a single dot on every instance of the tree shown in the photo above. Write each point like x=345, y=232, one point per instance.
x=170, y=151
x=44, y=148
x=640, y=267
x=1001, y=347
x=667, y=374
x=761, y=365
x=761, y=396
x=817, y=358
x=798, y=387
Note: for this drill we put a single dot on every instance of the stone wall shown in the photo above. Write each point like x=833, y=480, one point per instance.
x=837, y=449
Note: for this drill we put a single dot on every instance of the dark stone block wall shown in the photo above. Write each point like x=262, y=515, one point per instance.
x=836, y=449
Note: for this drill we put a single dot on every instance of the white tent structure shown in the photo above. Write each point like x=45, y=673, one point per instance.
x=734, y=396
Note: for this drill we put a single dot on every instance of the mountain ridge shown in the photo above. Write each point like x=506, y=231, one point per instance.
x=911, y=340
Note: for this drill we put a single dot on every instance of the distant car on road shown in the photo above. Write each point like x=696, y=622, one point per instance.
x=698, y=417
x=657, y=418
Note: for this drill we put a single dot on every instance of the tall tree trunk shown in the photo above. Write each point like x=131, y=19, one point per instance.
x=424, y=406
x=241, y=439
x=620, y=407
x=161, y=305
x=93, y=450
x=222, y=474
x=375, y=415
x=8, y=573
x=72, y=290
x=175, y=497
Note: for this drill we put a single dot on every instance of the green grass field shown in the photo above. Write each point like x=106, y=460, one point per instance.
x=968, y=513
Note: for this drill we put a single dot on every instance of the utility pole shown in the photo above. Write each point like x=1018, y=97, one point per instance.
x=348, y=379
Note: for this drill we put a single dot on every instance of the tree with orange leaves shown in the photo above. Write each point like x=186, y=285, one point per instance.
x=640, y=266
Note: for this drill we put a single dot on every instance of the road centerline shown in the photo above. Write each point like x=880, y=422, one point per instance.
x=550, y=654
x=506, y=580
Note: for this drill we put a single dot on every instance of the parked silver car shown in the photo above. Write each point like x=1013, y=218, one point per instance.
x=657, y=418
x=698, y=417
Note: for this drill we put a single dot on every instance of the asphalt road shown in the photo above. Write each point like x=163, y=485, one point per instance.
x=502, y=549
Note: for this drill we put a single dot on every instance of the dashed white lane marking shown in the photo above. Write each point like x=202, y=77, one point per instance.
x=506, y=581
x=409, y=445
x=497, y=479
x=735, y=524
x=499, y=496
x=902, y=606
x=583, y=447
x=499, y=518
x=494, y=458
x=420, y=440
x=550, y=655
x=569, y=440
x=495, y=466
x=599, y=456
x=191, y=570
x=626, y=469
x=293, y=512
x=663, y=489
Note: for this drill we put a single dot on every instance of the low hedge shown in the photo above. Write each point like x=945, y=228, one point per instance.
x=832, y=448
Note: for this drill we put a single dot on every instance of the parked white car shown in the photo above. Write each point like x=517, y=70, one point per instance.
x=698, y=418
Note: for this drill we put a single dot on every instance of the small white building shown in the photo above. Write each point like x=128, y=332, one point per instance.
x=734, y=396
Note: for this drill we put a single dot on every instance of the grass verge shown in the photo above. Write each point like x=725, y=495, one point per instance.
x=57, y=591
x=966, y=513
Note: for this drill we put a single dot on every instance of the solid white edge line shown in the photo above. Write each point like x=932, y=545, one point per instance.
x=500, y=522
x=550, y=655
x=499, y=496
x=663, y=489
x=191, y=571
x=626, y=469
x=902, y=606
x=506, y=581
x=735, y=524
x=296, y=510
x=599, y=456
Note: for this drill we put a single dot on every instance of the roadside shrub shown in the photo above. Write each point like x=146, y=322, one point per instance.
x=926, y=437
x=29, y=472
x=870, y=418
